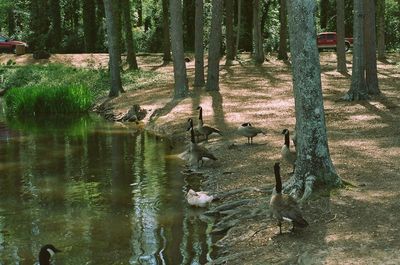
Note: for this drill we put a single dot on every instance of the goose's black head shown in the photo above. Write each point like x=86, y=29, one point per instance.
x=190, y=124
x=199, y=108
x=46, y=252
x=247, y=124
x=285, y=131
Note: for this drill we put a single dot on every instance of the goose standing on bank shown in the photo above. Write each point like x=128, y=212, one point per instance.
x=247, y=130
x=203, y=128
x=198, y=198
x=46, y=252
x=288, y=155
x=283, y=206
x=197, y=152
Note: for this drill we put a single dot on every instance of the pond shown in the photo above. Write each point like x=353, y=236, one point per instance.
x=102, y=194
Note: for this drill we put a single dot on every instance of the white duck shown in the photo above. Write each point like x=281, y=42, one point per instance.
x=198, y=198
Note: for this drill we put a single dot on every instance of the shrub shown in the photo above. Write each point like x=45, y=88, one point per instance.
x=39, y=100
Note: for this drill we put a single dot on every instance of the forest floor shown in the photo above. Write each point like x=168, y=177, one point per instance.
x=358, y=224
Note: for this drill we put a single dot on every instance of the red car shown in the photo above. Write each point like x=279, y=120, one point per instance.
x=9, y=45
x=327, y=40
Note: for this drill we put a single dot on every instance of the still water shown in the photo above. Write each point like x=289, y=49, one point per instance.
x=101, y=194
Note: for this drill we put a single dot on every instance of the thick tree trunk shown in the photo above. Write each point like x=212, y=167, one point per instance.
x=181, y=83
x=313, y=162
x=100, y=36
x=340, y=48
x=282, y=51
x=266, y=6
x=230, y=44
x=89, y=25
x=371, y=71
x=198, y=45
x=324, y=14
x=214, y=46
x=257, y=37
x=113, y=48
x=189, y=15
x=381, y=29
x=239, y=21
x=130, y=44
x=11, y=21
x=358, y=89
x=166, y=38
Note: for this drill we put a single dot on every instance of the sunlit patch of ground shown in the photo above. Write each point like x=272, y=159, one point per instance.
x=355, y=225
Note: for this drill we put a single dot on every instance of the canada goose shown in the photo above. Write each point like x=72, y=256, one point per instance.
x=197, y=152
x=198, y=198
x=46, y=252
x=283, y=206
x=288, y=155
x=247, y=130
x=203, y=128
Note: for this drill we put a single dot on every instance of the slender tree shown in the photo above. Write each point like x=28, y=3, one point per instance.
x=381, y=29
x=139, y=8
x=181, y=83
x=239, y=22
x=313, y=162
x=11, y=20
x=113, y=47
x=257, y=37
x=324, y=5
x=198, y=45
x=214, y=46
x=358, y=89
x=166, y=38
x=189, y=15
x=39, y=25
x=282, y=51
x=340, y=48
x=130, y=44
x=371, y=71
x=89, y=24
x=230, y=44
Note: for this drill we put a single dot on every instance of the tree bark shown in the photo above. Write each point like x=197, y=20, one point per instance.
x=239, y=19
x=381, y=29
x=313, y=162
x=11, y=21
x=324, y=14
x=230, y=44
x=166, y=38
x=130, y=44
x=371, y=71
x=358, y=88
x=189, y=15
x=198, y=45
x=89, y=25
x=181, y=83
x=340, y=29
x=139, y=9
x=282, y=51
x=257, y=37
x=113, y=48
x=214, y=46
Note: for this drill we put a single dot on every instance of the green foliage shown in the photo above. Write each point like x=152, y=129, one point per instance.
x=45, y=100
x=392, y=25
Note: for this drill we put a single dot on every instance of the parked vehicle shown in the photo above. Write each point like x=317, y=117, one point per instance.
x=6, y=44
x=327, y=40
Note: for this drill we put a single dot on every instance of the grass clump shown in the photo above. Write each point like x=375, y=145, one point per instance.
x=44, y=100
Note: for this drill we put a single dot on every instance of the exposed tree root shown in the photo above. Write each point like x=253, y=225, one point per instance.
x=295, y=186
x=227, y=259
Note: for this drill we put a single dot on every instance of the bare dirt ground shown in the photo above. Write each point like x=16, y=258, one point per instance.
x=358, y=224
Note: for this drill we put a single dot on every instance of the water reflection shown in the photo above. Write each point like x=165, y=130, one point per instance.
x=102, y=195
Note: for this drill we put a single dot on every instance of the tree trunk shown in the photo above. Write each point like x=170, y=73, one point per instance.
x=340, y=29
x=313, y=162
x=166, y=38
x=282, y=51
x=264, y=17
x=214, y=46
x=130, y=44
x=230, y=44
x=324, y=14
x=239, y=19
x=39, y=25
x=257, y=37
x=189, y=15
x=139, y=9
x=11, y=21
x=371, y=71
x=198, y=45
x=113, y=47
x=381, y=29
x=181, y=83
x=89, y=25
x=358, y=89
x=100, y=36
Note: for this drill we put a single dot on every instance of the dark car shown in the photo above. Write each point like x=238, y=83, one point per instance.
x=327, y=40
x=9, y=45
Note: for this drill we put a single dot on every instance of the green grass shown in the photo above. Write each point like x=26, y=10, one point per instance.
x=48, y=100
